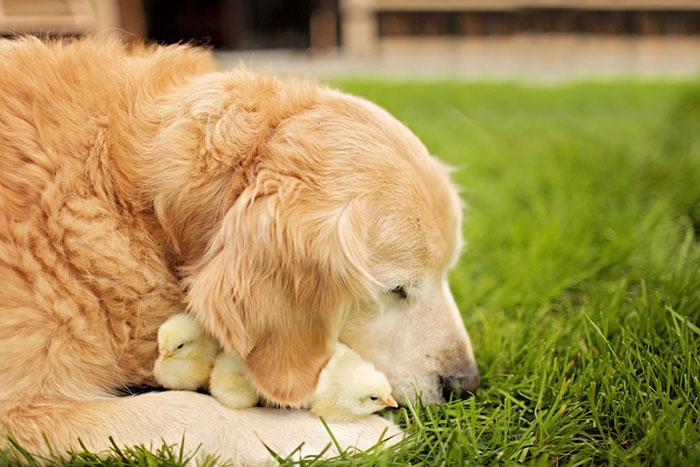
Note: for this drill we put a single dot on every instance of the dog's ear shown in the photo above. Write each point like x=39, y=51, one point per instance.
x=274, y=281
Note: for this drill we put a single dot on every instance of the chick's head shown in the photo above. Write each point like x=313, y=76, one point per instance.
x=180, y=337
x=365, y=390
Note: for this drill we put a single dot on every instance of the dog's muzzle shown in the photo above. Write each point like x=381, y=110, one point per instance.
x=460, y=385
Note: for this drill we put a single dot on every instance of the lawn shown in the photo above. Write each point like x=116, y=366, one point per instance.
x=580, y=283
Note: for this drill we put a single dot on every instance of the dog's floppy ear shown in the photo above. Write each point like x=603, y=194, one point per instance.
x=273, y=282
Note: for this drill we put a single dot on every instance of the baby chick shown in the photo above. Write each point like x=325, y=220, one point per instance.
x=229, y=385
x=350, y=388
x=186, y=354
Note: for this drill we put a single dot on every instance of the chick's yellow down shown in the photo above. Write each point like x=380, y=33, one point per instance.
x=350, y=388
x=186, y=354
x=229, y=385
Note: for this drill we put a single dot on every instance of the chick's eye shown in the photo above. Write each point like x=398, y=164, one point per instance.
x=400, y=291
x=180, y=346
x=373, y=398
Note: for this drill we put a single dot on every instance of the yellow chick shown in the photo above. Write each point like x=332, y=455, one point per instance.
x=229, y=385
x=186, y=354
x=350, y=388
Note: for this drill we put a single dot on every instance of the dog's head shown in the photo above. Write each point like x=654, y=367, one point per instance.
x=342, y=227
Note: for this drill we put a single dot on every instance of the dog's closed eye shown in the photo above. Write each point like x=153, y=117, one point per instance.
x=400, y=291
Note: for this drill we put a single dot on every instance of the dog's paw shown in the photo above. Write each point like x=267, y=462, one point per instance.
x=300, y=434
x=365, y=433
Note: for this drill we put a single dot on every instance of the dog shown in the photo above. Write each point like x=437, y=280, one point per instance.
x=141, y=181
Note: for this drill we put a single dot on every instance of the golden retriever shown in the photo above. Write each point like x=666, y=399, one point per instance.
x=139, y=182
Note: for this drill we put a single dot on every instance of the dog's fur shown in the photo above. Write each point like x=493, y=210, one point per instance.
x=138, y=183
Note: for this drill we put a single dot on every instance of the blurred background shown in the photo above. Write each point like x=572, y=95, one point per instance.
x=503, y=39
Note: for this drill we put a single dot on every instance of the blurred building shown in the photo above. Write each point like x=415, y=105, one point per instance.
x=506, y=37
x=477, y=37
x=225, y=24
x=70, y=17
x=390, y=26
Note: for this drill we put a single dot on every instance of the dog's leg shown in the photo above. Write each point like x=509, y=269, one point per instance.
x=153, y=418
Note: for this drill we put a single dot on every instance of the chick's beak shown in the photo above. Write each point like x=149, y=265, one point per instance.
x=390, y=402
x=164, y=354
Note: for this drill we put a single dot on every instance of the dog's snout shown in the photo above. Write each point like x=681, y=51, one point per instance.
x=460, y=385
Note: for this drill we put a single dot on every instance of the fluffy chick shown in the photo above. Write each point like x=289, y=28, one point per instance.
x=350, y=388
x=186, y=354
x=229, y=385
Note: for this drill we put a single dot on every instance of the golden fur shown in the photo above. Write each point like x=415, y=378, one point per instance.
x=138, y=183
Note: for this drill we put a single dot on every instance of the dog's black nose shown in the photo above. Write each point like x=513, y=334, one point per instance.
x=462, y=384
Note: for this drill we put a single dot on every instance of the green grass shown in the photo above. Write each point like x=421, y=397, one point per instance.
x=580, y=284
